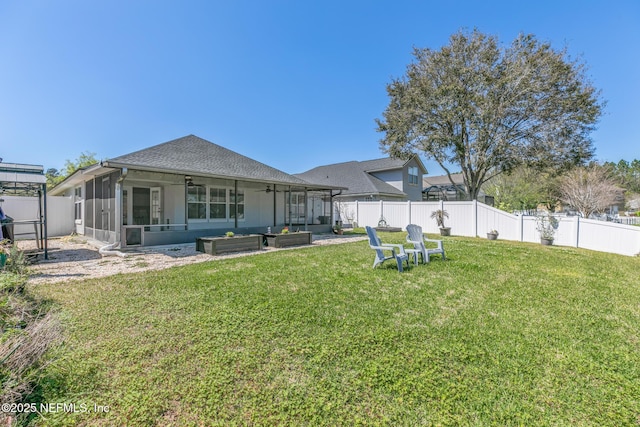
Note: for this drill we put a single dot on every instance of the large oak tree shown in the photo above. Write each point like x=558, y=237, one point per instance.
x=488, y=109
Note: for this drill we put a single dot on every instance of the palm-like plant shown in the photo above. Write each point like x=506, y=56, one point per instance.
x=439, y=215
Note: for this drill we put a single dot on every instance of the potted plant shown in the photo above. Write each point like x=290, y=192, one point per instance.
x=285, y=230
x=229, y=234
x=337, y=229
x=439, y=215
x=546, y=225
x=492, y=234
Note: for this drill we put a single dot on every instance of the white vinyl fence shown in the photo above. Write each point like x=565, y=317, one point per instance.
x=60, y=215
x=474, y=219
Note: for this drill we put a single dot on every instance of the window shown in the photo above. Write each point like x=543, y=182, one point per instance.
x=77, y=193
x=217, y=203
x=236, y=199
x=413, y=175
x=197, y=202
x=214, y=203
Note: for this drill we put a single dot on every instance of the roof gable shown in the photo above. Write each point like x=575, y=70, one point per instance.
x=382, y=164
x=391, y=163
x=194, y=155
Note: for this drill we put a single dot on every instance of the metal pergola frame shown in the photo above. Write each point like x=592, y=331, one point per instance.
x=28, y=180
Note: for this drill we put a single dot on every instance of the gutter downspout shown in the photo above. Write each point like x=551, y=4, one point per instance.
x=110, y=250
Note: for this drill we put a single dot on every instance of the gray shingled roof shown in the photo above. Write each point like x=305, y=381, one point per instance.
x=196, y=156
x=442, y=180
x=387, y=163
x=352, y=175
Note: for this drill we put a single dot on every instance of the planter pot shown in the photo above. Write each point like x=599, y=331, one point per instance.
x=446, y=231
x=492, y=236
x=546, y=242
x=216, y=245
x=290, y=239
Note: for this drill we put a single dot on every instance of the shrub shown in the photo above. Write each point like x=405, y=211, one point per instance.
x=27, y=330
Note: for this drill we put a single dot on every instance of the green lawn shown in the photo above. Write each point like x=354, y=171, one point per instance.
x=500, y=334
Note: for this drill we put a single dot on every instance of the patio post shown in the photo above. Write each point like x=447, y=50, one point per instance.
x=289, y=207
x=187, y=180
x=275, y=208
x=306, y=209
x=43, y=220
x=235, y=202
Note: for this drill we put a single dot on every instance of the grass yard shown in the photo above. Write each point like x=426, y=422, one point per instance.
x=500, y=334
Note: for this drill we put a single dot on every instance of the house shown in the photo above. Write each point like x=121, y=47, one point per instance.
x=441, y=188
x=380, y=179
x=187, y=188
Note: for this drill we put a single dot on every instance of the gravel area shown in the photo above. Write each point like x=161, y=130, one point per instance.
x=76, y=257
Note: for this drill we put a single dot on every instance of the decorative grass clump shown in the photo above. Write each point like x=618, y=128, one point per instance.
x=501, y=333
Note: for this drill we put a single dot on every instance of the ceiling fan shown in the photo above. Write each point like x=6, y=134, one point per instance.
x=269, y=190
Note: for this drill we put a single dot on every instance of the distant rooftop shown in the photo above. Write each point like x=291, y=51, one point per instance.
x=21, y=179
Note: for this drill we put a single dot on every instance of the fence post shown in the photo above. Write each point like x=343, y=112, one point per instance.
x=382, y=211
x=521, y=227
x=577, y=231
x=474, y=214
x=408, y=211
x=357, y=214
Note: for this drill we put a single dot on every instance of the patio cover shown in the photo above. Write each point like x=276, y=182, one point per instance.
x=27, y=180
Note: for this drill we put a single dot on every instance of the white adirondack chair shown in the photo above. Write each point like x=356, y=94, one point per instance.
x=418, y=239
x=397, y=251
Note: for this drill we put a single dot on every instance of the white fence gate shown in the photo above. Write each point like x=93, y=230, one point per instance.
x=60, y=215
x=474, y=219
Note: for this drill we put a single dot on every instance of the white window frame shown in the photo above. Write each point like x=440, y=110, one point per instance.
x=228, y=191
x=414, y=175
x=210, y=202
x=78, y=204
x=205, y=202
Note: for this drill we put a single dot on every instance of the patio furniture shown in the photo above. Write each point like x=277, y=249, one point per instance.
x=418, y=239
x=397, y=251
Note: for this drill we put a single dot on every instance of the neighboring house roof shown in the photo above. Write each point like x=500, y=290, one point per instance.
x=16, y=176
x=442, y=180
x=197, y=156
x=356, y=176
x=386, y=163
x=440, y=187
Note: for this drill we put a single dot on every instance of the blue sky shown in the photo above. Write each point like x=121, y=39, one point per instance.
x=293, y=84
